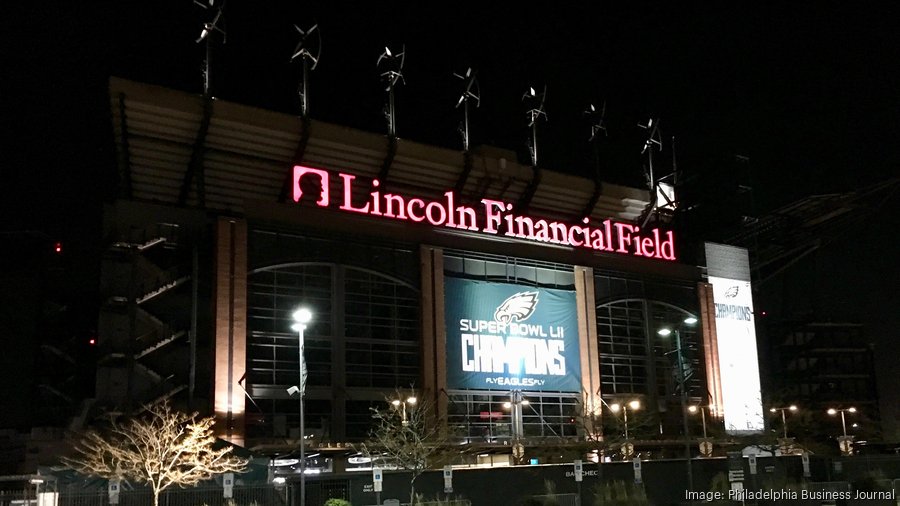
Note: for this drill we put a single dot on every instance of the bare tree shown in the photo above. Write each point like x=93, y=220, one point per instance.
x=162, y=448
x=407, y=435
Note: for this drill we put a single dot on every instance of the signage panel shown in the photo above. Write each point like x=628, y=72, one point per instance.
x=729, y=274
x=448, y=479
x=377, y=478
x=492, y=217
x=739, y=364
x=511, y=337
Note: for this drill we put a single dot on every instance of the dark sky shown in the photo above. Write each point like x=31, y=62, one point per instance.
x=810, y=92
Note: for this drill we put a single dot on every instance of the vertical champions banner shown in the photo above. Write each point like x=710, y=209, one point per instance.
x=729, y=275
x=511, y=337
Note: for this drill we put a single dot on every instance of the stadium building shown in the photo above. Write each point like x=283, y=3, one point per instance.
x=470, y=279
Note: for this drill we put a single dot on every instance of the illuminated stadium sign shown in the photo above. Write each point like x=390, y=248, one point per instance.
x=493, y=217
x=729, y=275
x=511, y=337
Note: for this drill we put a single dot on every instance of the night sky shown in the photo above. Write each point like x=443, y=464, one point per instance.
x=809, y=92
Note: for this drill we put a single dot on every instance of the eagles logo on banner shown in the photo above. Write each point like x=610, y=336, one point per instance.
x=517, y=308
x=511, y=337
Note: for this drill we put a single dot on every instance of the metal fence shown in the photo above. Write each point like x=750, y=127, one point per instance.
x=200, y=496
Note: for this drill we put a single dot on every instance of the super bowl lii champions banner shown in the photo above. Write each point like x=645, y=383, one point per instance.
x=511, y=337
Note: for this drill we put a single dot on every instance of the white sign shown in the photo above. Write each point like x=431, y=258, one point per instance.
x=113, y=491
x=578, y=471
x=636, y=463
x=738, y=361
x=228, y=485
x=805, y=459
x=752, y=461
x=48, y=499
x=448, y=479
x=377, y=478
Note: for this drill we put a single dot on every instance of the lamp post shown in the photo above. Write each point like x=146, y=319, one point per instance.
x=517, y=424
x=302, y=316
x=706, y=444
x=664, y=332
x=791, y=408
x=616, y=407
x=694, y=409
x=833, y=411
x=845, y=442
x=401, y=406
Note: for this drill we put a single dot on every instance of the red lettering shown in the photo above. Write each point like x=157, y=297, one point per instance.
x=498, y=216
x=559, y=232
x=522, y=223
x=624, y=239
x=510, y=231
x=608, y=235
x=430, y=215
x=392, y=199
x=571, y=237
x=540, y=231
x=492, y=217
x=667, y=248
x=376, y=199
x=410, y=207
x=449, y=209
x=348, y=196
x=469, y=224
x=647, y=245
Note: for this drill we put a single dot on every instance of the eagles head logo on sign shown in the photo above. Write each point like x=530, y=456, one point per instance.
x=517, y=308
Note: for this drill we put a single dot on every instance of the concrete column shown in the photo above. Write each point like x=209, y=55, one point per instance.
x=587, y=339
x=230, y=345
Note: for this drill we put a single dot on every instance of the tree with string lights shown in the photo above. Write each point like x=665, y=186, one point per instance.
x=162, y=448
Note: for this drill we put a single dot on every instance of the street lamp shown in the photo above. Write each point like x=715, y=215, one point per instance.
x=665, y=332
x=302, y=316
x=401, y=406
x=845, y=442
x=791, y=408
x=694, y=410
x=833, y=411
x=616, y=407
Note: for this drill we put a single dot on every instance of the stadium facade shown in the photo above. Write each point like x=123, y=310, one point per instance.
x=469, y=278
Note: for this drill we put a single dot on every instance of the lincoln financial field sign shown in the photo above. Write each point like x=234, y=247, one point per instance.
x=511, y=337
x=493, y=217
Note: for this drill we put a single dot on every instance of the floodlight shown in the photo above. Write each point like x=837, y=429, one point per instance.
x=302, y=315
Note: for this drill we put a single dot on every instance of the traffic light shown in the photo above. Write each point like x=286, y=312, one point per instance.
x=57, y=247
